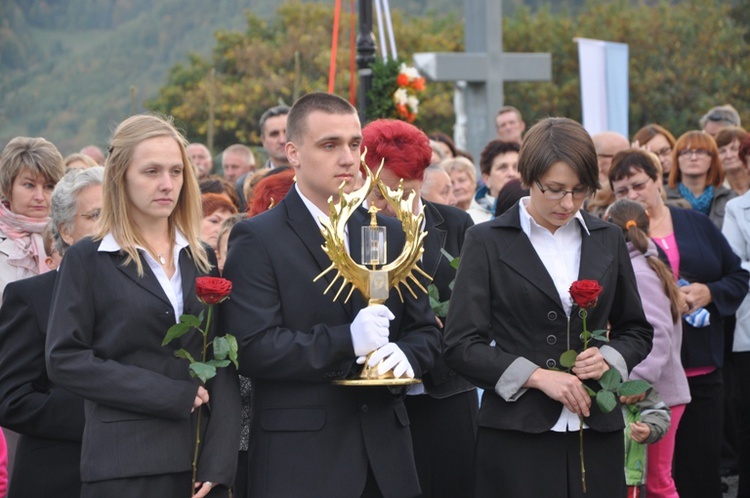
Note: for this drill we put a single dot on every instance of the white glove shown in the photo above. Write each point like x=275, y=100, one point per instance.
x=370, y=329
x=393, y=358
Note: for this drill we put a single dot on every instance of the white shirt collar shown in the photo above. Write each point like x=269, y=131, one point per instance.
x=109, y=244
x=526, y=219
x=315, y=211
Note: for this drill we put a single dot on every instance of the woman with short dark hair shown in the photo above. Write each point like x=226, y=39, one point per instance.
x=512, y=317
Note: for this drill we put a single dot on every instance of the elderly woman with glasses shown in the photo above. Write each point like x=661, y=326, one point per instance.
x=512, y=317
x=699, y=177
x=699, y=254
x=48, y=418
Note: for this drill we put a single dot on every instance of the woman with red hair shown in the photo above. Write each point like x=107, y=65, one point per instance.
x=271, y=190
x=442, y=410
x=216, y=209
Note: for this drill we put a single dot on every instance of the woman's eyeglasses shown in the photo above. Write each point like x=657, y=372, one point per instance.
x=636, y=187
x=696, y=152
x=556, y=194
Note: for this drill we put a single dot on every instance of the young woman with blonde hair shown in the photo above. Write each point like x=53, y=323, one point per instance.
x=115, y=297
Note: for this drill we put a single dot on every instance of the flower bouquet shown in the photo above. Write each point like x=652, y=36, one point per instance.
x=393, y=94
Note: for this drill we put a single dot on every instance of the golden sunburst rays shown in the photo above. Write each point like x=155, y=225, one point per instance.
x=403, y=270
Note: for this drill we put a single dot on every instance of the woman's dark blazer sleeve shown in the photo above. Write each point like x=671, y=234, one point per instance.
x=29, y=403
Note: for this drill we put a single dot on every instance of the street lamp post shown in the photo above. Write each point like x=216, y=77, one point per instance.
x=365, y=56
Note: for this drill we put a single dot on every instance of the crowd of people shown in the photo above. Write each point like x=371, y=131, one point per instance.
x=100, y=251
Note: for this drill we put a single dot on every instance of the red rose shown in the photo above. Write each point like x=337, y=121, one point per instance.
x=402, y=79
x=585, y=293
x=212, y=290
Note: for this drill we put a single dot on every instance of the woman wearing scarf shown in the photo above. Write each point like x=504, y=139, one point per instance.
x=29, y=170
x=698, y=177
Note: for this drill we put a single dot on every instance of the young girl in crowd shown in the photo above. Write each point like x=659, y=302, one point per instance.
x=663, y=305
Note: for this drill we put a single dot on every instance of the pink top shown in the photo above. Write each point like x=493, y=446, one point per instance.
x=668, y=244
x=3, y=466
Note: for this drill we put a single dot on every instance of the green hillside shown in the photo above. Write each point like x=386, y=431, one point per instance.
x=73, y=82
x=67, y=67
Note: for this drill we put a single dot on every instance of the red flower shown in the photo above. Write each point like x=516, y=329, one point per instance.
x=212, y=290
x=402, y=79
x=418, y=84
x=585, y=293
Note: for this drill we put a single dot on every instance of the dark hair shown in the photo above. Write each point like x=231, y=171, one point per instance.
x=220, y=185
x=317, y=101
x=727, y=135
x=493, y=149
x=279, y=110
x=439, y=136
x=648, y=132
x=405, y=148
x=632, y=218
x=509, y=195
x=625, y=162
x=700, y=140
x=554, y=140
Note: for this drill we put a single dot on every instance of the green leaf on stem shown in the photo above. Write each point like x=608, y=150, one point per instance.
x=568, y=358
x=221, y=348
x=218, y=363
x=175, y=331
x=438, y=307
x=191, y=320
x=606, y=401
x=181, y=353
x=454, y=260
x=633, y=387
x=611, y=380
x=203, y=371
x=585, y=335
x=591, y=392
x=600, y=335
x=233, y=349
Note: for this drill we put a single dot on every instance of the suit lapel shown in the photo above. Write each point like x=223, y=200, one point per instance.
x=148, y=281
x=435, y=239
x=188, y=275
x=306, y=229
x=521, y=256
x=595, y=257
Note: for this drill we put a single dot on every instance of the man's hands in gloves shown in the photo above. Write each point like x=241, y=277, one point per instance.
x=370, y=329
x=393, y=358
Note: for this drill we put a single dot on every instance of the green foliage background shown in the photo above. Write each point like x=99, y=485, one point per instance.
x=67, y=68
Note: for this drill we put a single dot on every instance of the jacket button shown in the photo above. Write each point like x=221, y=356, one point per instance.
x=551, y=363
x=552, y=315
x=551, y=340
x=364, y=408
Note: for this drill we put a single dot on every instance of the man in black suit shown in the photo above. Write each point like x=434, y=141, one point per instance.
x=309, y=437
x=48, y=418
x=443, y=412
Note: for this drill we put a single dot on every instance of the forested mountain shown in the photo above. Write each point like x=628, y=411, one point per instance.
x=67, y=67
